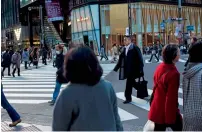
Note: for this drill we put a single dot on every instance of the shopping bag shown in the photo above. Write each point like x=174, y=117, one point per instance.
x=149, y=126
x=141, y=87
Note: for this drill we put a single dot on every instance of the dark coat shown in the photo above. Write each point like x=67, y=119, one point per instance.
x=6, y=60
x=131, y=66
x=44, y=52
x=11, y=52
x=60, y=77
x=59, y=60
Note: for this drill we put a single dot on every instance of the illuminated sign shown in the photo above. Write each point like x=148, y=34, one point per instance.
x=26, y=2
x=17, y=33
x=53, y=10
x=82, y=19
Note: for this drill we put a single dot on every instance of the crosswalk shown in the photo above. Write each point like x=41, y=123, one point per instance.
x=37, y=85
x=146, y=60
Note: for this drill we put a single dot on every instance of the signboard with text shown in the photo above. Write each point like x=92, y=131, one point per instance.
x=53, y=10
x=190, y=28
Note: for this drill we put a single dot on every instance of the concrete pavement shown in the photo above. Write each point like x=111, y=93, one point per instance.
x=29, y=95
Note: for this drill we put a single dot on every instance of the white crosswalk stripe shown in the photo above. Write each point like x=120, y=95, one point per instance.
x=143, y=103
x=184, y=60
x=36, y=86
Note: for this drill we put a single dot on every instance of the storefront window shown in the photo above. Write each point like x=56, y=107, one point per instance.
x=85, y=27
x=113, y=24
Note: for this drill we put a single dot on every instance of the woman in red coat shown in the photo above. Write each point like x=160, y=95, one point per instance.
x=164, y=106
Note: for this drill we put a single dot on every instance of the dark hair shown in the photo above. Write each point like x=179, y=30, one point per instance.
x=195, y=53
x=35, y=49
x=7, y=50
x=195, y=39
x=169, y=53
x=81, y=66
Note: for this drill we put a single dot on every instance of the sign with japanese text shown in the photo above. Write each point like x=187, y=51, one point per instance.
x=53, y=10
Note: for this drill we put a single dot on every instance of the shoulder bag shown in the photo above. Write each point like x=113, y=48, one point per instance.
x=155, y=86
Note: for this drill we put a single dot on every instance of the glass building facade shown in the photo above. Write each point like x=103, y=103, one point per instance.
x=106, y=21
x=9, y=22
x=86, y=26
x=9, y=13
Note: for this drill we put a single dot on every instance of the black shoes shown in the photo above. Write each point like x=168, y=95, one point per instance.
x=127, y=101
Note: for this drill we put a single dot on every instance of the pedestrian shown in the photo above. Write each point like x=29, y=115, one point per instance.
x=11, y=52
x=53, y=53
x=16, y=61
x=102, y=53
x=164, y=110
x=130, y=66
x=15, y=117
x=25, y=57
x=159, y=49
x=59, y=74
x=35, y=57
x=31, y=49
x=192, y=90
x=193, y=42
x=154, y=52
x=59, y=56
x=114, y=53
x=44, y=55
x=21, y=51
x=88, y=103
x=6, y=63
x=60, y=79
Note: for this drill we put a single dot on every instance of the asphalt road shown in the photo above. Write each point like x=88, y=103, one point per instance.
x=134, y=115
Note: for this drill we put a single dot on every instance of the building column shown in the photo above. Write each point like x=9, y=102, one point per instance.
x=139, y=26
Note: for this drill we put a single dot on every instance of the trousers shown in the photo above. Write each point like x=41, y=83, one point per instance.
x=129, y=88
x=6, y=105
x=57, y=90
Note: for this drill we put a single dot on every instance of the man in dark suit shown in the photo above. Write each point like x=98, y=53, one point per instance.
x=131, y=66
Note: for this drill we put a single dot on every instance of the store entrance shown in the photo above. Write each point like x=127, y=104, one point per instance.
x=86, y=41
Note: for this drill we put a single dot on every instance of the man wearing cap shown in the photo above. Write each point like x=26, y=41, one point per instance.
x=130, y=66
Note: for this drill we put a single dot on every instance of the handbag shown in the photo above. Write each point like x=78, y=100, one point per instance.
x=141, y=87
x=152, y=95
x=149, y=126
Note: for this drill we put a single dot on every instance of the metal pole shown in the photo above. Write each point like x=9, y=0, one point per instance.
x=42, y=26
x=180, y=14
x=129, y=18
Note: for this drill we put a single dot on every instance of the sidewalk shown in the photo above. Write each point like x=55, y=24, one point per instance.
x=24, y=127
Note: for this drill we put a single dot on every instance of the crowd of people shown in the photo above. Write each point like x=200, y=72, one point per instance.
x=89, y=103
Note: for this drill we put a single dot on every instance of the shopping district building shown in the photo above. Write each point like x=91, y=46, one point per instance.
x=97, y=22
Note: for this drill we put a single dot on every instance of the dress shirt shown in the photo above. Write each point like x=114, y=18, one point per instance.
x=127, y=48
